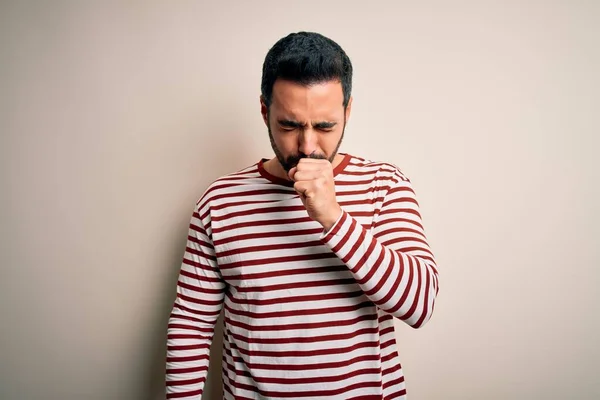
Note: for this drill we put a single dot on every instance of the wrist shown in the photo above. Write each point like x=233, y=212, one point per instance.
x=331, y=218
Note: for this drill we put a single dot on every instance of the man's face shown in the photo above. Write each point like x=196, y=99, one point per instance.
x=305, y=121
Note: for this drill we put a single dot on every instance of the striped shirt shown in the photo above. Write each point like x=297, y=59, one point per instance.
x=308, y=314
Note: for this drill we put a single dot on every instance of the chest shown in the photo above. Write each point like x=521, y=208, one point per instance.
x=271, y=243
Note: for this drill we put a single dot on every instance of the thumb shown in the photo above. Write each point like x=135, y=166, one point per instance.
x=292, y=172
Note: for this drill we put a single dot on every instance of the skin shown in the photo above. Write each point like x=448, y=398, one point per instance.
x=308, y=120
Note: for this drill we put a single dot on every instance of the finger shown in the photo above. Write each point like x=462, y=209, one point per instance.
x=326, y=166
x=308, y=175
x=303, y=188
x=312, y=163
x=313, y=160
x=305, y=174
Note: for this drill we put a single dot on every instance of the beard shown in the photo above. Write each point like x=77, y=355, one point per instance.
x=291, y=161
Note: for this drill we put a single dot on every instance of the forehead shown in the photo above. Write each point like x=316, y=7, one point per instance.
x=320, y=100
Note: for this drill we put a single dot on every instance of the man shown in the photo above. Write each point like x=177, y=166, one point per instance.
x=311, y=253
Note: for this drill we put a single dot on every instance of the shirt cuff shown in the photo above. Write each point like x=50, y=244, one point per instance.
x=327, y=235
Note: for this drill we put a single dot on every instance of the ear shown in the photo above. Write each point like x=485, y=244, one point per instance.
x=348, y=109
x=264, y=110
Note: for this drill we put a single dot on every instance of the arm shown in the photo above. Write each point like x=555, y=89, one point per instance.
x=392, y=264
x=200, y=292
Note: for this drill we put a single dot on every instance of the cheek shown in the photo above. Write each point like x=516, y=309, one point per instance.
x=287, y=143
x=330, y=141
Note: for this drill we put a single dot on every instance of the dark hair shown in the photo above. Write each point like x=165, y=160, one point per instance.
x=306, y=58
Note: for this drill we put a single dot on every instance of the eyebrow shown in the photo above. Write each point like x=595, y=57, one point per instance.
x=295, y=124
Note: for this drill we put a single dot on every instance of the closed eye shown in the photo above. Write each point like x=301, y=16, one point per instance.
x=325, y=126
x=289, y=125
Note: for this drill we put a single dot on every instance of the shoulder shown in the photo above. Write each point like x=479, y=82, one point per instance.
x=227, y=185
x=377, y=170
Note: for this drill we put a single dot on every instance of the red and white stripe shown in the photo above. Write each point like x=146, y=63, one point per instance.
x=308, y=314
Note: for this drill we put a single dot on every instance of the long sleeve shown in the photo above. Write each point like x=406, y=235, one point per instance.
x=391, y=262
x=200, y=293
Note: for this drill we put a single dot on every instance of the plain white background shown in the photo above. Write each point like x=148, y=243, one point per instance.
x=115, y=116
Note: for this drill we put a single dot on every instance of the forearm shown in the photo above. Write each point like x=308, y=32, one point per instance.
x=188, y=347
x=200, y=293
x=402, y=283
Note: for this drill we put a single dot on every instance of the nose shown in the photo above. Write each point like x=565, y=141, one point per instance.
x=307, y=142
